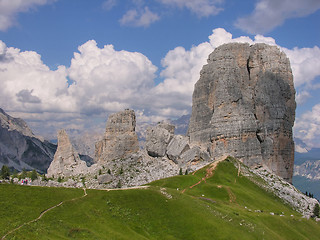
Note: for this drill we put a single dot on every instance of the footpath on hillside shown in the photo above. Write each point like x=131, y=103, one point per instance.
x=43, y=213
x=209, y=174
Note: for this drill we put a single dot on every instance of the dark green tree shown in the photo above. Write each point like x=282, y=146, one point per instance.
x=44, y=178
x=186, y=172
x=316, y=211
x=5, y=172
x=34, y=175
x=109, y=171
x=180, y=172
x=83, y=180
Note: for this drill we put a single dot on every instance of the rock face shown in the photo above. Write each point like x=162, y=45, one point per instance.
x=20, y=148
x=120, y=139
x=66, y=160
x=244, y=106
x=158, y=138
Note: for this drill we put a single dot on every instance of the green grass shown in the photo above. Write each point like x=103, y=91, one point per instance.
x=223, y=207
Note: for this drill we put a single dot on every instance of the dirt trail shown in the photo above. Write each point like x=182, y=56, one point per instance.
x=128, y=188
x=44, y=212
x=209, y=174
x=232, y=196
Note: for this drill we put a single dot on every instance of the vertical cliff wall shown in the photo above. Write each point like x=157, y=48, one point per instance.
x=244, y=106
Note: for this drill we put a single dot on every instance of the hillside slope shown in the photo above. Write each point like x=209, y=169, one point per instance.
x=20, y=148
x=216, y=202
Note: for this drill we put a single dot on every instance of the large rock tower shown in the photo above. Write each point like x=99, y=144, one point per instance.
x=244, y=106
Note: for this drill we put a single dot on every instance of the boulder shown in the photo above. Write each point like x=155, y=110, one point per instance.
x=178, y=145
x=120, y=139
x=66, y=161
x=244, y=105
x=194, y=155
x=104, y=178
x=158, y=138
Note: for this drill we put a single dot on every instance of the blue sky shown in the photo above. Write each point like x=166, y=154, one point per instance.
x=69, y=63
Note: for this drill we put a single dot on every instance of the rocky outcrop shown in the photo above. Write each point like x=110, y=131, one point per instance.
x=66, y=160
x=162, y=143
x=158, y=138
x=244, y=106
x=20, y=148
x=287, y=192
x=120, y=139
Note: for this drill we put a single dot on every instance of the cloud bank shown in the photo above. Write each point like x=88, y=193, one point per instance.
x=103, y=80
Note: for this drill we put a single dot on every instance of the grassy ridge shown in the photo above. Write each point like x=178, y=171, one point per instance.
x=222, y=207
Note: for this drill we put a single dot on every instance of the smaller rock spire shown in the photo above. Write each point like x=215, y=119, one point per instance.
x=66, y=161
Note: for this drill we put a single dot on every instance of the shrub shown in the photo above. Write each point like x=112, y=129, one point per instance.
x=34, y=175
x=5, y=172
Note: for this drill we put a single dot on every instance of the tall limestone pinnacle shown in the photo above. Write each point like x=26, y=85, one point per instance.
x=244, y=106
x=120, y=139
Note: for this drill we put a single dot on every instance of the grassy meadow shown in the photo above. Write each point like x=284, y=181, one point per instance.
x=223, y=206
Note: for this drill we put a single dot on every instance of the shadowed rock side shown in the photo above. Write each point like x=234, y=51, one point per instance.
x=120, y=139
x=20, y=148
x=66, y=161
x=244, y=106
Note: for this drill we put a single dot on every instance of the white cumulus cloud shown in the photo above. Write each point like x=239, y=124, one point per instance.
x=139, y=17
x=305, y=64
x=10, y=8
x=26, y=82
x=109, y=80
x=307, y=127
x=269, y=14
